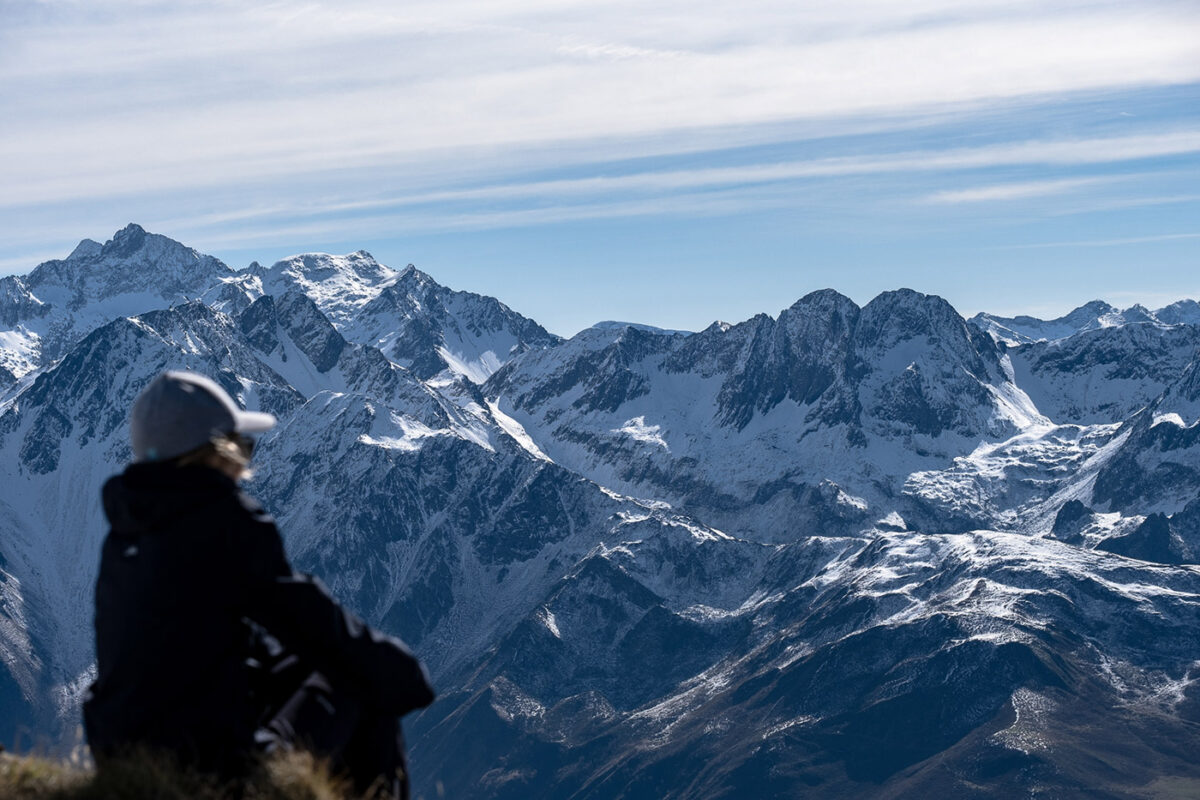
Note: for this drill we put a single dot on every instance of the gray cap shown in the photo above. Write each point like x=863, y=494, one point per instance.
x=181, y=411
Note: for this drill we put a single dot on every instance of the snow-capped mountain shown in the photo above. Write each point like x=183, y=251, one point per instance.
x=827, y=397
x=860, y=552
x=415, y=321
x=1091, y=316
x=903, y=665
x=1105, y=375
x=1157, y=466
x=45, y=312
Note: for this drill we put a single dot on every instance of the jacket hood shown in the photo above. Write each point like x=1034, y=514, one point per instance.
x=147, y=497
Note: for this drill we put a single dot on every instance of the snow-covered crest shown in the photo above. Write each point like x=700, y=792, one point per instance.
x=1092, y=316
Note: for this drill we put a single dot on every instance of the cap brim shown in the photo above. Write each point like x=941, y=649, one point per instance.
x=253, y=422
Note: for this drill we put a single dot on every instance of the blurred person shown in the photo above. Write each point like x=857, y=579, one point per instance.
x=209, y=646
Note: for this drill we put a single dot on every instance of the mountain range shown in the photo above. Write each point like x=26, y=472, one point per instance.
x=876, y=551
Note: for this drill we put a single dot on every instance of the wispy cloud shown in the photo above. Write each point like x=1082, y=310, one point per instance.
x=1120, y=242
x=444, y=220
x=1067, y=152
x=1012, y=191
x=184, y=96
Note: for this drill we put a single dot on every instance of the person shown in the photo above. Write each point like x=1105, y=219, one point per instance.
x=209, y=646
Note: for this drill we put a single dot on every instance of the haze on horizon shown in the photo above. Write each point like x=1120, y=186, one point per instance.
x=592, y=160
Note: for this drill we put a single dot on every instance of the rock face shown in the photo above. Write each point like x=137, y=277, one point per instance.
x=1153, y=541
x=854, y=552
x=1157, y=466
x=734, y=423
x=45, y=312
x=1104, y=375
x=415, y=321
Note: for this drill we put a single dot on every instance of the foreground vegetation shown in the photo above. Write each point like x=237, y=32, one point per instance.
x=293, y=776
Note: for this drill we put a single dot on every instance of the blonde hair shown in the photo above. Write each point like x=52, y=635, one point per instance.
x=221, y=453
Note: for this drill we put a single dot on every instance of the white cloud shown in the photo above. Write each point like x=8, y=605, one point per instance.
x=732, y=201
x=1074, y=152
x=331, y=211
x=1012, y=191
x=134, y=98
x=1120, y=242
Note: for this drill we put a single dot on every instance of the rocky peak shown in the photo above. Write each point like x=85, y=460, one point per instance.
x=926, y=370
x=1153, y=540
x=819, y=318
x=1086, y=313
x=133, y=261
x=411, y=278
x=1137, y=313
x=87, y=248
x=902, y=315
x=1181, y=312
x=125, y=242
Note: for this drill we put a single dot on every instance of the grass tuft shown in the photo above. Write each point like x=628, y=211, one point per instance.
x=288, y=776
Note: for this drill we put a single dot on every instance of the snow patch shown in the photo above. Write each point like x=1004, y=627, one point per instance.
x=515, y=430
x=638, y=430
x=412, y=433
x=547, y=618
x=1170, y=418
x=476, y=370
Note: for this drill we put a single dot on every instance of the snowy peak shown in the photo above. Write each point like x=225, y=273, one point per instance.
x=655, y=415
x=1023, y=329
x=339, y=285
x=927, y=371
x=416, y=322
x=1103, y=375
x=412, y=279
x=431, y=329
x=1181, y=312
x=133, y=261
x=1088, y=317
x=44, y=313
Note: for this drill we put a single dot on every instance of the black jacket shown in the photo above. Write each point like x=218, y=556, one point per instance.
x=188, y=560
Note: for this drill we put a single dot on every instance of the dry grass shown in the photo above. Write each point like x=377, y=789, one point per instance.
x=292, y=776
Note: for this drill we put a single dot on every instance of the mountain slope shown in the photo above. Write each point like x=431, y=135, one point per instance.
x=1092, y=316
x=415, y=321
x=854, y=552
x=824, y=408
x=1104, y=375
x=47, y=311
x=908, y=665
x=1157, y=468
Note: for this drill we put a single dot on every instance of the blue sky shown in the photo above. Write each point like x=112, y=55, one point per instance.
x=669, y=163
